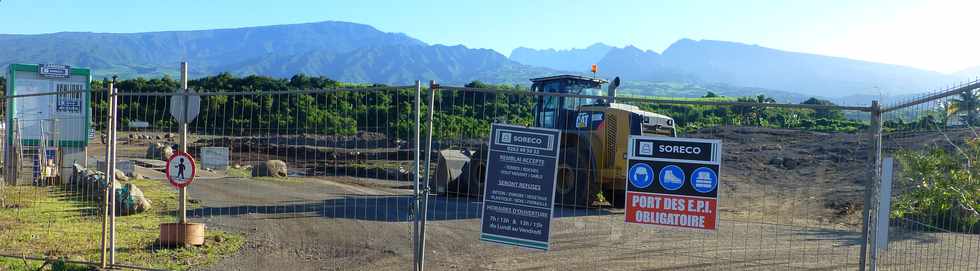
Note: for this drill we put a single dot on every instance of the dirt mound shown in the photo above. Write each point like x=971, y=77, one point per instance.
x=792, y=173
x=808, y=174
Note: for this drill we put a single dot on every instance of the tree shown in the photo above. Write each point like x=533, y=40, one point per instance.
x=824, y=113
x=762, y=99
x=477, y=84
x=967, y=101
x=710, y=95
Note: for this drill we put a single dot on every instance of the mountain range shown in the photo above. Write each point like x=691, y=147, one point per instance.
x=343, y=51
x=565, y=60
x=360, y=53
x=710, y=61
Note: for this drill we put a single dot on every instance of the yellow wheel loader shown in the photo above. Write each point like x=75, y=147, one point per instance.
x=595, y=134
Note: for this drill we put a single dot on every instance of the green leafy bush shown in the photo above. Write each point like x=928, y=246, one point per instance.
x=940, y=188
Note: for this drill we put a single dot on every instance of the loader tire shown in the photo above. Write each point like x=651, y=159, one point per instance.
x=574, y=186
x=471, y=182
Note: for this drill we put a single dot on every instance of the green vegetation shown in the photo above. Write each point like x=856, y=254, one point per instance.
x=941, y=188
x=967, y=102
x=459, y=115
x=56, y=223
x=12, y=264
x=241, y=172
x=961, y=111
x=693, y=117
x=694, y=90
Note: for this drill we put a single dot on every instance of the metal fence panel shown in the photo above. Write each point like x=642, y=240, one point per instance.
x=48, y=213
x=293, y=179
x=934, y=192
x=790, y=198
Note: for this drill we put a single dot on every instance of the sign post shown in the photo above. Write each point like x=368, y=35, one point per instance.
x=520, y=186
x=673, y=182
x=181, y=169
x=184, y=108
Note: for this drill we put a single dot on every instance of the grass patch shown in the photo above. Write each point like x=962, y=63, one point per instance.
x=242, y=172
x=53, y=222
x=11, y=264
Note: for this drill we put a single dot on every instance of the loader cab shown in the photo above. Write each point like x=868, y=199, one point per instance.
x=556, y=111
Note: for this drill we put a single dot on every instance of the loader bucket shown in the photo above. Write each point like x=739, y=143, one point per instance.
x=448, y=171
x=460, y=172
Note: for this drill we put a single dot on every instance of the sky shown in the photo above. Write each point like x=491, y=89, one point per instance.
x=934, y=35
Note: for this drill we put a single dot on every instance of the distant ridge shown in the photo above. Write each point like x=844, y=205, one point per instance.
x=711, y=61
x=578, y=60
x=343, y=51
x=360, y=53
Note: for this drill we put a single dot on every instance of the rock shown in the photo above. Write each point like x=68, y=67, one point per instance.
x=271, y=168
x=158, y=137
x=166, y=152
x=153, y=151
x=131, y=200
x=790, y=163
x=137, y=176
x=237, y=166
x=121, y=176
x=159, y=151
x=132, y=136
x=169, y=135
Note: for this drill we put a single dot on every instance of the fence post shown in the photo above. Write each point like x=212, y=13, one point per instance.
x=874, y=160
x=111, y=174
x=418, y=147
x=108, y=203
x=428, y=177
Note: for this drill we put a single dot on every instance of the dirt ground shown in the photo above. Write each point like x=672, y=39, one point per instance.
x=789, y=200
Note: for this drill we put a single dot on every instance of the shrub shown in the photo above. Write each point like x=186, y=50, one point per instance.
x=940, y=187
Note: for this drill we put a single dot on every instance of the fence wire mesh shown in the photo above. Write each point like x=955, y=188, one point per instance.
x=934, y=193
x=791, y=191
x=316, y=178
x=291, y=176
x=47, y=211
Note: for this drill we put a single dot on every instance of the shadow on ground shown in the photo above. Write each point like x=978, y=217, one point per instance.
x=377, y=208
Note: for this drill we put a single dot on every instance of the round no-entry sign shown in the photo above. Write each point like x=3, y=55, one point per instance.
x=181, y=169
